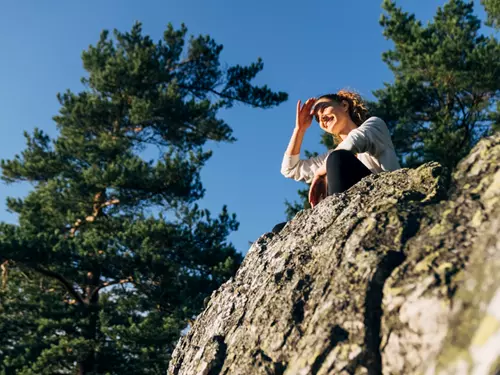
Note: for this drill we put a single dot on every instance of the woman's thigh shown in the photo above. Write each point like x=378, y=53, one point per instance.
x=343, y=170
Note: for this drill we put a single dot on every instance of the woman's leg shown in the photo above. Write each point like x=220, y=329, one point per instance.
x=343, y=170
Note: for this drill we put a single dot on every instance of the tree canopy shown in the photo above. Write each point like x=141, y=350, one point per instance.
x=446, y=83
x=112, y=255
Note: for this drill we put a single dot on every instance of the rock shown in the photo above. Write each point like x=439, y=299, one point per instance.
x=398, y=275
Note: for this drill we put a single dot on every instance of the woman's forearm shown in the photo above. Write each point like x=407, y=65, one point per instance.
x=321, y=171
x=295, y=142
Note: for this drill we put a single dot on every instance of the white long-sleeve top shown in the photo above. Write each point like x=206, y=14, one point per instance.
x=371, y=142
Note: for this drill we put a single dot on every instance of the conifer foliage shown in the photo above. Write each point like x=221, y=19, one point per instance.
x=112, y=256
x=446, y=83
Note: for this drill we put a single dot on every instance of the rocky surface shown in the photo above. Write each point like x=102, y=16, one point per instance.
x=398, y=275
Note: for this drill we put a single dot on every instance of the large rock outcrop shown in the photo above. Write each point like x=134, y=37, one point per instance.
x=398, y=275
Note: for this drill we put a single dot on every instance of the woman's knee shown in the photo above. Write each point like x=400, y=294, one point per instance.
x=337, y=157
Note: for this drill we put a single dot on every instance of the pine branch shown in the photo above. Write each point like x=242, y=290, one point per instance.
x=106, y=284
x=97, y=210
x=218, y=93
x=71, y=290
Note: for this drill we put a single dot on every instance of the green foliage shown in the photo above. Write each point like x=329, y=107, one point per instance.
x=112, y=256
x=446, y=83
x=492, y=8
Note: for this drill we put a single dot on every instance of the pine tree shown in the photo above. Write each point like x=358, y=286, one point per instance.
x=446, y=83
x=112, y=256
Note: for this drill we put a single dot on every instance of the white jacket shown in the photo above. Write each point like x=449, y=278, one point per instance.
x=371, y=141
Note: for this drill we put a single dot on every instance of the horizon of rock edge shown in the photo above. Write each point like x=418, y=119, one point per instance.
x=398, y=275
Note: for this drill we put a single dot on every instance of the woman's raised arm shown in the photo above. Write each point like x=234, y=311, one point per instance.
x=303, y=120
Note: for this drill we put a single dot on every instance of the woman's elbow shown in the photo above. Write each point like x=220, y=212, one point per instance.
x=287, y=172
x=294, y=174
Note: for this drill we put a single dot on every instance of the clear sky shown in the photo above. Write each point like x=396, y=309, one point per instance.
x=308, y=48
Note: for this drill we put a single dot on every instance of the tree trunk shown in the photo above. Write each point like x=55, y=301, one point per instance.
x=89, y=364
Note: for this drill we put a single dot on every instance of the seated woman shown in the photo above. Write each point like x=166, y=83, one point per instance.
x=364, y=146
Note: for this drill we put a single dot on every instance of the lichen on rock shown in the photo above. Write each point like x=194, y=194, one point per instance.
x=398, y=275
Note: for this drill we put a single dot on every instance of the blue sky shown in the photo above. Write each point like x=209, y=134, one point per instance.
x=308, y=48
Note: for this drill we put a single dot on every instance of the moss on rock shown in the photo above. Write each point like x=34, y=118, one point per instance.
x=398, y=275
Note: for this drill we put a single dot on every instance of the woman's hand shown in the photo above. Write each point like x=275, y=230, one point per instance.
x=304, y=114
x=318, y=190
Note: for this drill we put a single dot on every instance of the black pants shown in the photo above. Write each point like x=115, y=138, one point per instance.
x=343, y=170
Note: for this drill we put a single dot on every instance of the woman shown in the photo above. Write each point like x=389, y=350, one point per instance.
x=364, y=146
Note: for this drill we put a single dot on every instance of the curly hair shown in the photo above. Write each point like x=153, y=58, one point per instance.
x=358, y=110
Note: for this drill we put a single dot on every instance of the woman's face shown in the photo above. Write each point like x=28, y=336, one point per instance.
x=330, y=115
